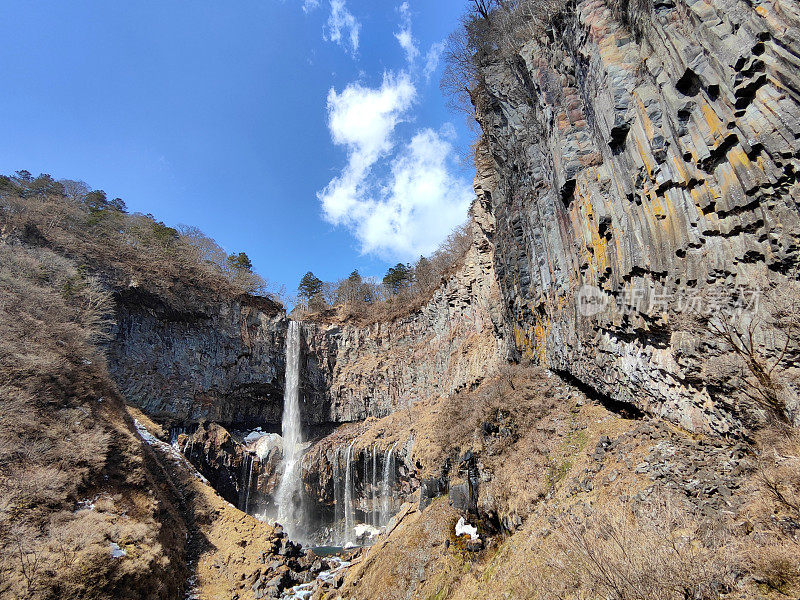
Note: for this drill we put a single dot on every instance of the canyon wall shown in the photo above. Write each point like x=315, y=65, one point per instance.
x=219, y=361
x=453, y=341
x=224, y=361
x=634, y=156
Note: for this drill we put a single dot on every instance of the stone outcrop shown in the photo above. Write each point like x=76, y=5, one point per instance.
x=648, y=150
x=453, y=341
x=220, y=361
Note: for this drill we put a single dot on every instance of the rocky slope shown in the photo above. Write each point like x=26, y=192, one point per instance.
x=648, y=150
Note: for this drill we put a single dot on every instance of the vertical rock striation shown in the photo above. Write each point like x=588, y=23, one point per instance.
x=219, y=361
x=452, y=341
x=650, y=150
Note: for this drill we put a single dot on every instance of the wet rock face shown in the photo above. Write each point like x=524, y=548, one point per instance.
x=649, y=150
x=222, y=362
x=219, y=458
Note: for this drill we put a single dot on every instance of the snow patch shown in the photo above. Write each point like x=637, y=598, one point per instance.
x=116, y=551
x=87, y=504
x=464, y=528
x=173, y=453
x=254, y=435
x=363, y=530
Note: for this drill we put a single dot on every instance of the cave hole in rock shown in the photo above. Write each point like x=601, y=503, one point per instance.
x=568, y=192
x=624, y=409
x=618, y=139
x=689, y=84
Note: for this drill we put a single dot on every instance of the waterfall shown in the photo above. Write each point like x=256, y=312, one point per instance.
x=348, y=494
x=375, y=485
x=338, y=504
x=289, y=494
x=388, y=477
x=175, y=433
x=364, y=500
x=247, y=473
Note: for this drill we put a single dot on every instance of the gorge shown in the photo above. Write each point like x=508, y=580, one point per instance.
x=598, y=399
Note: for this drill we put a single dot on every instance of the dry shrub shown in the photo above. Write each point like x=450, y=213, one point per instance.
x=658, y=553
x=509, y=404
x=491, y=31
x=63, y=438
x=507, y=422
x=772, y=550
x=779, y=473
x=775, y=566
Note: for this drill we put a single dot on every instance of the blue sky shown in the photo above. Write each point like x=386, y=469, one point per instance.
x=309, y=134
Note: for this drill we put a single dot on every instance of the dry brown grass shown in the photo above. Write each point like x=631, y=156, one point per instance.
x=606, y=543
x=660, y=552
x=126, y=249
x=772, y=551
x=66, y=443
x=508, y=421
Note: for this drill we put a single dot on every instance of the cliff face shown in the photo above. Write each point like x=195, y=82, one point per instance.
x=649, y=150
x=224, y=362
x=451, y=342
x=221, y=362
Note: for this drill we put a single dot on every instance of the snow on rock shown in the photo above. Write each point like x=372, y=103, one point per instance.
x=266, y=443
x=362, y=531
x=464, y=528
x=173, y=453
x=254, y=435
x=116, y=551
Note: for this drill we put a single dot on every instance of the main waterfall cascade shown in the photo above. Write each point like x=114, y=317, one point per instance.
x=289, y=497
x=362, y=480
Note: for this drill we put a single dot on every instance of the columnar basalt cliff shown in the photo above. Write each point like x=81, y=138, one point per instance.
x=650, y=150
x=219, y=361
x=453, y=341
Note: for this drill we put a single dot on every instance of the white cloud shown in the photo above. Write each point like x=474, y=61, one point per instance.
x=415, y=206
x=343, y=28
x=421, y=204
x=432, y=59
x=404, y=36
x=310, y=5
x=363, y=120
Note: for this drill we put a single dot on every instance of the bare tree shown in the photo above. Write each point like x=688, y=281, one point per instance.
x=29, y=560
x=483, y=8
x=75, y=190
x=761, y=341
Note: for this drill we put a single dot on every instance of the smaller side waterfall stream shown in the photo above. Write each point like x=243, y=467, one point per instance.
x=348, y=496
x=247, y=471
x=374, y=511
x=363, y=489
x=338, y=498
x=388, y=481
